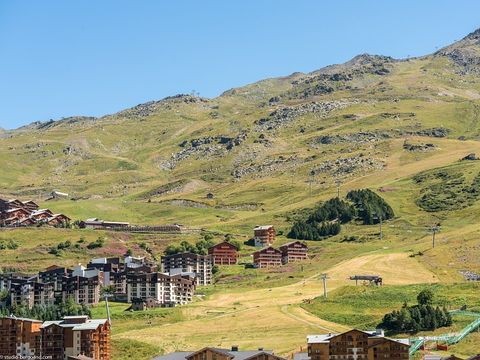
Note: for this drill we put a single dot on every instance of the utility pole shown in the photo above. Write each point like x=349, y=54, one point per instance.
x=379, y=216
x=338, y=183
x=434, y=230
x=381, y=232
x=324, y=278
x=312, y=175
x=106, y=295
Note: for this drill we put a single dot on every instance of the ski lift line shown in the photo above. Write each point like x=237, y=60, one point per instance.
x=450, y=339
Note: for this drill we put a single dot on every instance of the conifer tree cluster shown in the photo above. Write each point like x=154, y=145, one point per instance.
x=325, y=220
x=47, y=312
x=421, y=317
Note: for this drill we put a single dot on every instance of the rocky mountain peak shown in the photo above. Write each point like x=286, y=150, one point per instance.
x=475, y=35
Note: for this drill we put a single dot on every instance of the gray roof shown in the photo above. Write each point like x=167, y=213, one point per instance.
x=88, y=325
x=21, y=319
x=242, y=355
x=237, y=355
x=301, y=356
x=179, y=355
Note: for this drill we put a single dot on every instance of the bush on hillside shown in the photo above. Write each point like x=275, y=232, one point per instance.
x=370, y=207
x=47, y=312
x=325, y=220
x=96, y=244
x=200, y=247
x=8, y=244
x=420, y=317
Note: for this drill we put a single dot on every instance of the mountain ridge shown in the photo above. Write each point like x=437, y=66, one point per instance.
x=358, y=60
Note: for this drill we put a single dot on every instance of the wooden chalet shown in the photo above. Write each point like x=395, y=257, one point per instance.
x=211, y=353
x=18, y=213
x=30, y=205
x=294, y=251
x=267, y=257
x=370, y=345
x=224, y=254
x=58, y=219
x=42, y=214
x=264, y=235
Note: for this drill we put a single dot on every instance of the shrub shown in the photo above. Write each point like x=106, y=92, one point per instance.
x=9, y=245
x=96, y=244
x=421, y=317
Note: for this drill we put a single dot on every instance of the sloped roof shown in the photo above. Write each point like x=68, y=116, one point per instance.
x=293, y=242
x=21, y=319
x=263, y=227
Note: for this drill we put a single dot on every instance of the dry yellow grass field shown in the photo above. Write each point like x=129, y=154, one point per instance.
x=271, y=317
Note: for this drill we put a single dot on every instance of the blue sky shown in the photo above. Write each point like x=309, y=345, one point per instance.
x=62, y=58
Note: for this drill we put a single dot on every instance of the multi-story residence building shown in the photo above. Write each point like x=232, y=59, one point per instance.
x=7, y=279
x=160, y=289
x=294, y=251
x=19, y=337
x=200, y=265
x=55, y=274
x=264, y=235
x=74, y=336
x=356, y=344
x=210, y=353
x=83, y=285
x=267, y=257
x=31, y=293
x=223, y=254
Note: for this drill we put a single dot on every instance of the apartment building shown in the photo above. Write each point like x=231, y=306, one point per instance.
x=55, y=274
x=31, y=293
x=264, y=235
x=83, y=285
x=19, y=337
x=74, y=336
x=210, y=353
x=356, y=344
x=223, y=254
x=294, y=251
x=160, y=289
x=200, y=265
x=267, y=257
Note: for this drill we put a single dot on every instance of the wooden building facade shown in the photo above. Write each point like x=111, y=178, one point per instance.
x=267, y=257
x=363, y=345
x=264, y=235
x=224, y=254
x=294, y=251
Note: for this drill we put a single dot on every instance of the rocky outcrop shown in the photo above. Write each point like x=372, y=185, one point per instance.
x=465, y=54
x=228, y=142
x=418, y=147
x=357, y=138
x=204, y=148
x=151, y=107
x=265, y=169
x=470, y=157
x=374, y=136
x=349, y=165
x=286, y=115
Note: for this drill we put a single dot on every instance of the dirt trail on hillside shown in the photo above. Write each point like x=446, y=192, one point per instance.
x=271, y=317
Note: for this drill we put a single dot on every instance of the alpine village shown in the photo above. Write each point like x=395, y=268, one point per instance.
x=329, y=215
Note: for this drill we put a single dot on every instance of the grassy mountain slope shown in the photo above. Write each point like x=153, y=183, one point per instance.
x=266, y=151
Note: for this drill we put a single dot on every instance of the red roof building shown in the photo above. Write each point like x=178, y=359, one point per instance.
x=264, y=235
x=267, y=257
x=224, y=254
x=294, y=251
